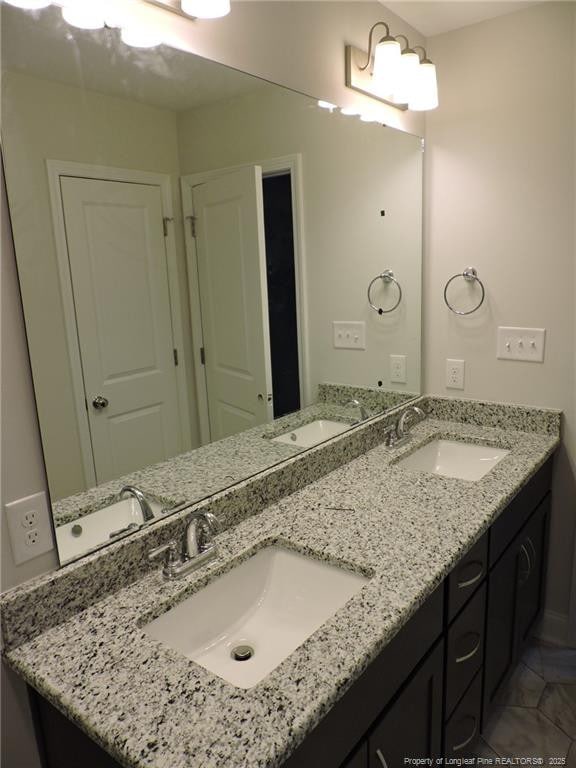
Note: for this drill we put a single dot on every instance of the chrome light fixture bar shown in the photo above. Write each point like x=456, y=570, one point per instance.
x=396, y=75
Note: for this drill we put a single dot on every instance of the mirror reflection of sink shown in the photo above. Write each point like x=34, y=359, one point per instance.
x=243, y=624
x=313, y=433
x=101, y=526
x=451, y=458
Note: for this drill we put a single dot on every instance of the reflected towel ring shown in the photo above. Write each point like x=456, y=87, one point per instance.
x=470, y=275
x=387, y=277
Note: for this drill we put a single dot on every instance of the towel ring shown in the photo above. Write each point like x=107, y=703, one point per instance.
x=387, y=277
x=470, y=275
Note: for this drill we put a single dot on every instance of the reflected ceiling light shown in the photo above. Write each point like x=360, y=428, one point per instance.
x=206, y=9
x=29, y=5
x=397, y=76
x=140, y=36
x=84, y=14
x=351, y=111
x=327, y=105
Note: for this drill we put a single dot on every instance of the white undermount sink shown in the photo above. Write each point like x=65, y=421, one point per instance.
x=313, y=433
x=451, y=458
x=101, y=527
x=243, y=624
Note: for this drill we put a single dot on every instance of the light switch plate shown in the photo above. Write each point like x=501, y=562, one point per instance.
x=398, y=369
x=29, y=527
x=349, y=334
x=455, y=374
x=521, y=344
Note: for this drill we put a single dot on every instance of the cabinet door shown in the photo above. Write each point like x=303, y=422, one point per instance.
x=412, y=725
x=531, y=572
x=359, y=759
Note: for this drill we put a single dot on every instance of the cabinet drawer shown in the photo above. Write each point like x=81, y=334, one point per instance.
x=467, y=576
x=464, y=649
x=519, y=510
x=463, y=728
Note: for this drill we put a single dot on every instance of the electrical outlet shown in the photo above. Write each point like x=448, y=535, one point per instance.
x=455, y=374
x=349, y=334
x=398, y=369
x=29, y=527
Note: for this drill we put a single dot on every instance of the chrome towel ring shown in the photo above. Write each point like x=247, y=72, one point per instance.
x=471, y=276
x=387, y=277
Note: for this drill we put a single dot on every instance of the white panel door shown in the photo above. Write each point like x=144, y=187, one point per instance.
x=234, y=301
x=115, y=239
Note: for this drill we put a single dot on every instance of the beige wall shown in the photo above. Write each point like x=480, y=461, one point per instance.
x=44, y=120
x=350, y=171
x=500, y=196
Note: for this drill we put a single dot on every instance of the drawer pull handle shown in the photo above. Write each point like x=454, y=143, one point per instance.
x=474, y=579
x=383, y=762
x=459, y=747
x=473, y=652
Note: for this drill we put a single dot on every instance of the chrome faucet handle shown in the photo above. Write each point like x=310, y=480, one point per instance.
x=170, y=550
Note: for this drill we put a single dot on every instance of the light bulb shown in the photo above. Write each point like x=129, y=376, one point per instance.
x=425, y=94
x=140, y=36
x=404, y=88
x=84, y=14
x=29, y=5
x=386, y=64
x=206, y=9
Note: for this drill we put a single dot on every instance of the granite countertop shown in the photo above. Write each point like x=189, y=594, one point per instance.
x=149, y=706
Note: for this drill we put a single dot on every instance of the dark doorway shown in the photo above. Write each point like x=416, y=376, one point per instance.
x=281, y=271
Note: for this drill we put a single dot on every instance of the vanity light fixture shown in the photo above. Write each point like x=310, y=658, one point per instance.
x=206, y=9
x=84, y=14
x=393, y=73
x=327, y=105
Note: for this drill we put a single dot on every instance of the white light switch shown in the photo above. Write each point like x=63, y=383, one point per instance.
x=398, y=369
x=29, y=527
x=349, y=334
x=521, y=344
x=455, y=374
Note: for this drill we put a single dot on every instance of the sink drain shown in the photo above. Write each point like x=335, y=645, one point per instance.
x=242, y=652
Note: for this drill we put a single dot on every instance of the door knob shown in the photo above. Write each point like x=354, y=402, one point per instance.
x=100, y=402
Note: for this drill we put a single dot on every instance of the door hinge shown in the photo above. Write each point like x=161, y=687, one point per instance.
x=192, y=220
x=165, y=221
x=202, y=356
x=175, y=356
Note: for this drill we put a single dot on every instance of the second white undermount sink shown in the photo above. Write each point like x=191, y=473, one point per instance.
x=452, y=458
x=243, y=624
x=313, y=433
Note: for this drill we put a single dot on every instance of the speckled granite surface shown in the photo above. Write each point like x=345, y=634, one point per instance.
x=375, y=400
x=149, y=706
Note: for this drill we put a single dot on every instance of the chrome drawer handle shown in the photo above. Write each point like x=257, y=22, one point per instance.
x=473, y=652
x=380, y=757
x=458, y=747
x=469, y=582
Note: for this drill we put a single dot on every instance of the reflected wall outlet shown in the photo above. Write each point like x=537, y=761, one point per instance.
x=398, y=369
x=29, y=527
x=455, y=374
x=521, y=344
x=349, y=334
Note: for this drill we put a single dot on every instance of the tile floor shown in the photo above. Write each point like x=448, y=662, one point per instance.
x=536, y=716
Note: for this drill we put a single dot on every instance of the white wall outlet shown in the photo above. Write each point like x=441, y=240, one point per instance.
x=349, y=334
x=521, y=344
x=398, y=369
x=455, y=374
x=29, y=527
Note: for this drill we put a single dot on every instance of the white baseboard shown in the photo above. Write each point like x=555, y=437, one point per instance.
x=554, y=628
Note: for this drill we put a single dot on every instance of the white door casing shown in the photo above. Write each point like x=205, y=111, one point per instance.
x=231, y=257
x=115, y=240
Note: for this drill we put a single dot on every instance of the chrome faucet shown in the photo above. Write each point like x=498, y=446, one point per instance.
x=131, y=490
x=364, y=414
x=197, y=548
x=399, y=434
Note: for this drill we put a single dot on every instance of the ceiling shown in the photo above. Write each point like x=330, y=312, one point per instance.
x=431, y=18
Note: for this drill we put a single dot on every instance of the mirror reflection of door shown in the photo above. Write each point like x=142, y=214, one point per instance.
x=247, y=300
x=117, y=257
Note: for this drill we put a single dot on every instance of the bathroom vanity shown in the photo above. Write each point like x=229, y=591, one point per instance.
x=410, y=664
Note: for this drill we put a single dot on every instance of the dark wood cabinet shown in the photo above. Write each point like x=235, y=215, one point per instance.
x=533, y=541
x=412, y=725
x=463, y=727
x=359, y=759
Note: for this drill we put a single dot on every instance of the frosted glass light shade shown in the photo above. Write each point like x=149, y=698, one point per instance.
x=84, y=14
x=407, y=69
x=425, y=95
x=140, y=36
x=206, y=9
x=29, y=5
x=386, y=64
